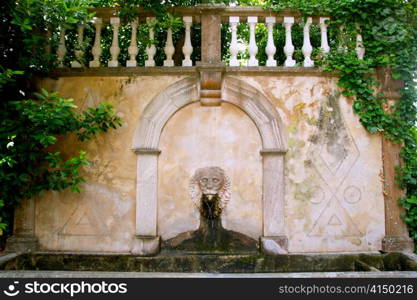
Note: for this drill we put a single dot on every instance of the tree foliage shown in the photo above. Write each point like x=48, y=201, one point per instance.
x=29, y=127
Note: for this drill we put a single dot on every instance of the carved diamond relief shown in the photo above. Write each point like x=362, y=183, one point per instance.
x=333, y=153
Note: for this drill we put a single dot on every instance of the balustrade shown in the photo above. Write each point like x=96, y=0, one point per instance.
x=231, y=16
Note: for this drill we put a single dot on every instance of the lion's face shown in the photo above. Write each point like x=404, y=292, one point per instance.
x=210, y=181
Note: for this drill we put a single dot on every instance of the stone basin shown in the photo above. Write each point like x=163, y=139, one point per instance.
x=171, y=261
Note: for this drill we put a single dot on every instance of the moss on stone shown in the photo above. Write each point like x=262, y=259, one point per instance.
x=213, y=263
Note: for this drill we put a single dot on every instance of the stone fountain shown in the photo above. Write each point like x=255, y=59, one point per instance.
x=210, y=192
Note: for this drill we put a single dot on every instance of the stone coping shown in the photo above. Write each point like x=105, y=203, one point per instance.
x=206, y=9
x=394, y=264
x=175, y=71
x=93, y=274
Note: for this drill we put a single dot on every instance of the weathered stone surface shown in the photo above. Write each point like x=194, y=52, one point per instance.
x=333, y=190
x=212, y=263
x=23, y=238
x=145, y=245
x=274, y=245
x=102, y=217
x=273, y=192
x=331, y=197
x=210, y=88
x=398, y=244
x=104, y=274
x=212, y=238
x=396, y=231
x=22, y=243
x=146, y=193
x=199, y=137
x=210, y=36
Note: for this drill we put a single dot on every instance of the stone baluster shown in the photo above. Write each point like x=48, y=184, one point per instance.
x=150, y=49
x=79, y=53
x=187, y=49
x=360, y=49
x=324, y=42
x=169, y=49
x=95, y=63
x=114, y=49
x=62, y=50
x=133, y=49
x=270, y=46
x=289, y=47
x=307, y=48
x=252, y=47
x=234, y=47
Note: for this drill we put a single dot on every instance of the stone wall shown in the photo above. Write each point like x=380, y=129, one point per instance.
x=332, y=175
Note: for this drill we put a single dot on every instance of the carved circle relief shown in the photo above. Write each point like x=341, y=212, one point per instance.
x=317, y=195
x=352, y=194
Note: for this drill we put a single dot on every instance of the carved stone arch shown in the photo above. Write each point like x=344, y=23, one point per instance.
x=259, y=109
x=160, y=109
x=146, y=141
x=274, y=143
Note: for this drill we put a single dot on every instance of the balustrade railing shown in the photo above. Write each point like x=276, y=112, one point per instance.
x=232, y=17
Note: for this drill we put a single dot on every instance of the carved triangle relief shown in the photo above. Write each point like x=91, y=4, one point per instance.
x=334, y=221
x=84, y=222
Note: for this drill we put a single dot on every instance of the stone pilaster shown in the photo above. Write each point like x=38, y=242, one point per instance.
x=274, y=240
x=146, y=241
x=211, y=32
x=396, y=233
x=210, y=66
x=23, y=238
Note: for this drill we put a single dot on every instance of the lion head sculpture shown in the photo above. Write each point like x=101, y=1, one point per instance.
x=210, y=182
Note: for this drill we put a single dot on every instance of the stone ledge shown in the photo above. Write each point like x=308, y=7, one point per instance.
x=273, y=151
x=397, y=244
x=170, y=71
x=106, y=274
x=22, y=243
x=274, y=245
x=146, y=151
x=145, y=245
x=231, y=263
